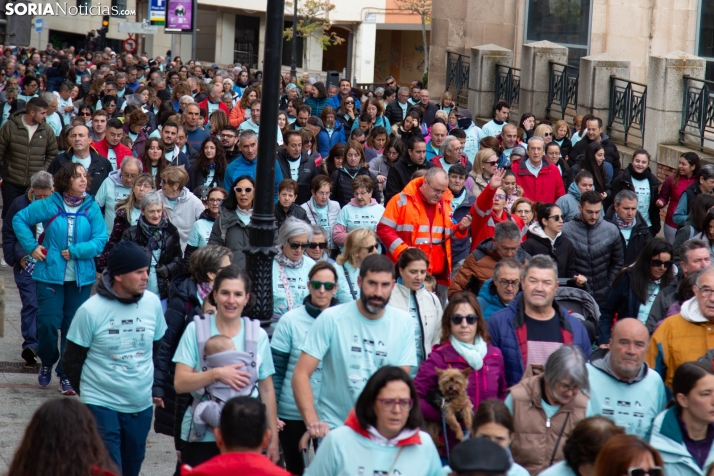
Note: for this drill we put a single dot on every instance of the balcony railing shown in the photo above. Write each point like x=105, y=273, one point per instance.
x=562, y=91
x=697, y=112
x=628, y=103
x=508, y=86
x=458, y=67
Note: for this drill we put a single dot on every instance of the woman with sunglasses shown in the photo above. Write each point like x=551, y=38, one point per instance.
x=360, y=243
x=286, y=345
x=363, y=211
x=291, y=266
x=545, y=237
x=201, y=230
x=410, y=295
x=545, y=132
x=546, y=408
x=484, y=166
x=684, y=433
x=464, y=345
x=230, y=228
x=318, y=247
x=347, y=113
x=110, y=105
x=635, y=288
x=381, y=435
x=627, y=455
x=85, y=112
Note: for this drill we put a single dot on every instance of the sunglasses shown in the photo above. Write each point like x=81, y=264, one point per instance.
x=471, y=319
x=295, y=245
x=349, y=102
x=653, y=471
x=490, y=163
x=241, y=189
x=369, y=248
x=318, y=284
x=314, y=246
x=548, y=134
x=657, y=263
x=555, y=217
x=86, y=114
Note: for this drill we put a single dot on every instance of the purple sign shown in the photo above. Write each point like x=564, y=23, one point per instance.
x=179, y=16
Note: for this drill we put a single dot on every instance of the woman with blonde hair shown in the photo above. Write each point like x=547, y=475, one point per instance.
x=447, y=103
x=359, y=244
x=545, y=132
x=485, y=164
x=561, y=136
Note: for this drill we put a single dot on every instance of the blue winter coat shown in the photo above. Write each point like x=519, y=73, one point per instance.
x=508, y=332
x=488, y=300
x=325, y=142
x=90, y=236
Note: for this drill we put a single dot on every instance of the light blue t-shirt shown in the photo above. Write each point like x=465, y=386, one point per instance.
x=344, y=452
x=153, y=284
x=643, y=191
x=5, y=113
x=244, y=217
x=532, y=168
x=626, y=233
x=61, y=104
x=351, y=348
x=108, y=195
x=457, y=201
x=558, y=469
x=631, y=406
x=71, y=268
x=200, y=233
x=112, y=158
x=289, y=336
x=118, y=373
x=352, y=217
x=85, y=162
x=445, y=165
x=294, y=168
x=55, y=123
x=492, y=129
x=344, y=292
x=187, y=354
x=296, y=280
x=323, y=220
x=644, y=311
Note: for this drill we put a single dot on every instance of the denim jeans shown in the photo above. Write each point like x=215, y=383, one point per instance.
x=124, y=435
x=57, y=306
x=28, y=314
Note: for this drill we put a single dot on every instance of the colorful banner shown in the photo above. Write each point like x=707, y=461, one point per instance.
x=157, y=12
x=179, y=16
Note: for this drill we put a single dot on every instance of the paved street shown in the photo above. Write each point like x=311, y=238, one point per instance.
x=20, y=395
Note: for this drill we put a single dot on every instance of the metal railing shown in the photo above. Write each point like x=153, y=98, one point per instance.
x=697, y=111
x=458, y=67
x=508, y=86
x=562, y=91
x=628, y=103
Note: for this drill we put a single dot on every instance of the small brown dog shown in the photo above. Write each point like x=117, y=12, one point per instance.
x=453, y=384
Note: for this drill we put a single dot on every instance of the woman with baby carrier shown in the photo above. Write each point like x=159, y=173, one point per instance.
x=252, y=376
x=465, y=347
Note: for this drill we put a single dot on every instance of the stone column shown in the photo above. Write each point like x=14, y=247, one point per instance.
x=482, y=77
x=594, y=83
x=535, y=75
x=665, y=87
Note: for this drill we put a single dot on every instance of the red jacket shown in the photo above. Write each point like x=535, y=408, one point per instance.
x=464, y=161
x=485, y=219
x=204, y=105
x=230, y=464
x=121, y=151
x=546, y=188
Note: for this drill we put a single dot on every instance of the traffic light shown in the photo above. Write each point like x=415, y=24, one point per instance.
x=104, y=30
x=105, y=22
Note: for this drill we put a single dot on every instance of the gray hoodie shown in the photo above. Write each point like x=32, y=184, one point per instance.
x=183, y=212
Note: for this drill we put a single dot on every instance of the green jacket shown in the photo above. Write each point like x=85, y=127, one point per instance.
x=21, y=157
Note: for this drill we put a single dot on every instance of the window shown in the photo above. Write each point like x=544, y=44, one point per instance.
x=566, y=22
x=120, y=6
x=705, y=38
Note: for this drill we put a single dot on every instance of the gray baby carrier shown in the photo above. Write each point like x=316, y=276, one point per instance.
x=249, y=358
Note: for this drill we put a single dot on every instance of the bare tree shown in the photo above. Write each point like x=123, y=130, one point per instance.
x=423, y=9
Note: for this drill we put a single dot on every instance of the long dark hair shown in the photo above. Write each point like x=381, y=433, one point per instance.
x=146, y=161
x=364, y=408
x=338, y=150
x=686, y=377
x=694, y=161
x=590, y=164
x=203, y=163
x=231, y=202
x=641, y=270
x=61, y=440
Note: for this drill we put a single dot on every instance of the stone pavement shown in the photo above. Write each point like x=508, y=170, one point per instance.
x=20, y=394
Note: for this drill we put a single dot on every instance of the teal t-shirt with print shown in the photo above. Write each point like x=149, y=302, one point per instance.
x=200, y=233
x=187, y=354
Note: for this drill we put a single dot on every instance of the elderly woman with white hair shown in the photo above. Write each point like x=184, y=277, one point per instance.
x=546, y=405
x=291, y=266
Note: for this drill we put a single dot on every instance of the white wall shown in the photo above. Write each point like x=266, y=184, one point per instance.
x=365, y=43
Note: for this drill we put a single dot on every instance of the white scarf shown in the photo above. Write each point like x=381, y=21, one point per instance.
x=472, y=353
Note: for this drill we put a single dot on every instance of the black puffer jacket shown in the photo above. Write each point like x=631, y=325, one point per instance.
x=306, y=172
x=171, y=256
x=639, y=237
x=624, y=182
x=400, y=175
x=562, y=250
x=295, y=211
x=197, y=177
x=599, y=254
x=611, y=153
x=183, y=305
x=98, y=171
x=231, y=232
x=342, y=188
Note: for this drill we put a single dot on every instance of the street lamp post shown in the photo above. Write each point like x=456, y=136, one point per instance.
x=261, y=230
x=293, y=61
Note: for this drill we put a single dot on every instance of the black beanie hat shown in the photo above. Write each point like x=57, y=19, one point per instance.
x=125, y=257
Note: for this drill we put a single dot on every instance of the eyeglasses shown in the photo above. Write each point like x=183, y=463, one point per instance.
x=500, y=196
x=294, y=245
x=129, y=176
x=471, y=319
x=653, y=471
x=705, y=292
x=316, y=285
x=405, y=404
x=562, y=387
x=215, y=200
x=370, y=248
x=555, y=217
x=658, y=263
x=241, y=189
x=314, y=246
x=436, y=190
x=506, y=283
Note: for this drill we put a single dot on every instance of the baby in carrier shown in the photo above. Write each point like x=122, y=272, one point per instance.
x=219, y=351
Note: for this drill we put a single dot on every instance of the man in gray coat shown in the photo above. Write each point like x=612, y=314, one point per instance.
x=599, y=252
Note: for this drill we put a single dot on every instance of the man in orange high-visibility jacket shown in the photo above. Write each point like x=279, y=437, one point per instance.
x=421, y=217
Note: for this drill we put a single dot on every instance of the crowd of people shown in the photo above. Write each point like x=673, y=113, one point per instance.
x=447, y=298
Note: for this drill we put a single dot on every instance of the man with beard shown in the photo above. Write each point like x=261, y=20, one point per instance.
x=352, y=341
